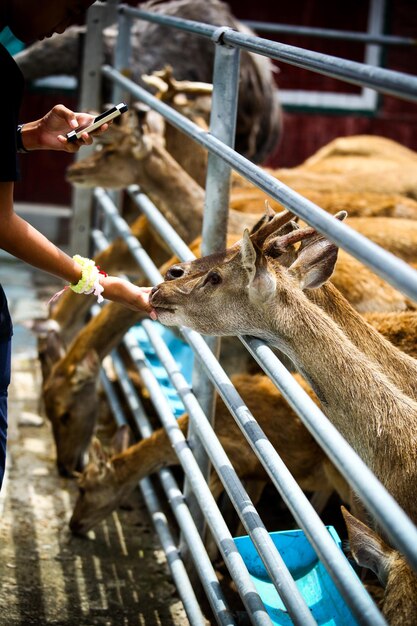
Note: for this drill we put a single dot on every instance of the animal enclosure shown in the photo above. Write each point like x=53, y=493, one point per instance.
x=199, y=444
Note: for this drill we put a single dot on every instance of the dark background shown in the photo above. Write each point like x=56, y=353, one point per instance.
x=304, y=131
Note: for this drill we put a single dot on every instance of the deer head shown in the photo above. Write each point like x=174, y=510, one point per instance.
x=99, y=488
x=71, y=399
x=391, y=568
x=118, y=152
x=247, y=288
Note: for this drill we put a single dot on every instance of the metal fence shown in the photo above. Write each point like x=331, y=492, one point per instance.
x=199, y=506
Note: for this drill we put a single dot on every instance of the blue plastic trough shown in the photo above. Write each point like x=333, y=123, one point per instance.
x=312, y=579
x=182, y=354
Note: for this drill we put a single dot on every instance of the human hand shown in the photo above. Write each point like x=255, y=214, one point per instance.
x=48, y=133
x=126, y=293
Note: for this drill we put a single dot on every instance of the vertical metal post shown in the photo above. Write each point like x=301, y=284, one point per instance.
x=122, y=55
x=222, y=126
x=373, y=52
x=90, y=97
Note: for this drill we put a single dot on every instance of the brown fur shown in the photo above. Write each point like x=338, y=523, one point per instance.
x=102, y=491
x=399, y=580
x=280, y=305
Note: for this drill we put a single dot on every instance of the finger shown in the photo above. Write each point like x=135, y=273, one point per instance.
x=66, y=114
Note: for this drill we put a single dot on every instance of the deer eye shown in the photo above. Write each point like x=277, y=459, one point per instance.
x=81, y=491
x=212, y=278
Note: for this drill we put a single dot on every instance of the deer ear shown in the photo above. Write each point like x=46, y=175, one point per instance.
x=96, y=454
x=86, y=370
x=262, y=281
x=248, y=254
x=121, y=439
x=315, y=262
x=367, y=547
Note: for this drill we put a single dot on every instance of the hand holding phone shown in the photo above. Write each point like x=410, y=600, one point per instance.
x=98, y=121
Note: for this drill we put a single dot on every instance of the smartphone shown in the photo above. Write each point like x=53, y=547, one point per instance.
x=98, y=121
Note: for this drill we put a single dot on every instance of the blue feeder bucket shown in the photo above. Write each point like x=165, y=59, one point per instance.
x=182, y=354
x=314, y=583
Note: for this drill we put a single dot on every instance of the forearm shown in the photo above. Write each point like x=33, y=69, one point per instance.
x=28, y=244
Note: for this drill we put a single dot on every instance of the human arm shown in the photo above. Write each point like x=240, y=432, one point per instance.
x=48, y=132
x=23, y=241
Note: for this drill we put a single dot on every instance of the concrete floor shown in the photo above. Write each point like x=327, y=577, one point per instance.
x=116, y=576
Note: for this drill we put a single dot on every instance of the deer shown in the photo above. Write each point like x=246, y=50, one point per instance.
x=399, y=604
x=259, y=116
x=282, y=295
x=107, y=478
x=110, y=477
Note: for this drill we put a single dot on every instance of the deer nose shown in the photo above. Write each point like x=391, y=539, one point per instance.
x=175, y=271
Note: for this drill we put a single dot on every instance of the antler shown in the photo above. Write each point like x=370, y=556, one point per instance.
x=168, y=87
x=266, y=226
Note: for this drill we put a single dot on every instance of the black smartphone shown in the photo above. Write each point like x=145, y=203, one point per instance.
x=98, y=121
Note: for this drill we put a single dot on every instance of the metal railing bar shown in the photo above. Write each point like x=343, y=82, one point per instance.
x=214, y=228
x=160, y=522
x=361, y=479
x=246, y=510
x=231, y=556
x=330, y=33
x=385, y=81
x=392, y=518
x=384, y=263
x=348, y=584
x=178, y=504
x=273, y=562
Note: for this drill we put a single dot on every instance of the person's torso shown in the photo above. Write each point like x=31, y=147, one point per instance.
x=10, y=101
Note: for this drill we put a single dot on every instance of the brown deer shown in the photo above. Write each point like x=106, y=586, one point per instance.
x=280, y=294
x=399, y=604
x=107, y=479
x=358, y=204
x=153, y=46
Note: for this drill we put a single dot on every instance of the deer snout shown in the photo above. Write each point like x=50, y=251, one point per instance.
x=175, y=271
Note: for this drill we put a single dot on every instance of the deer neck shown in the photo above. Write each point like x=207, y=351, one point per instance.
x=400, y=598
x=179, y=198
x=398, y=366
x=146, y=457
x=362, y=402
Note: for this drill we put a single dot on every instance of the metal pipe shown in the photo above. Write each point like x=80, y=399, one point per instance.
x=274, y=564
x=390, y=268
x=231, y=556
x=386, y=81
x=216, y=211
x=175, y=564
x=179, y=506
x=329, y=33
